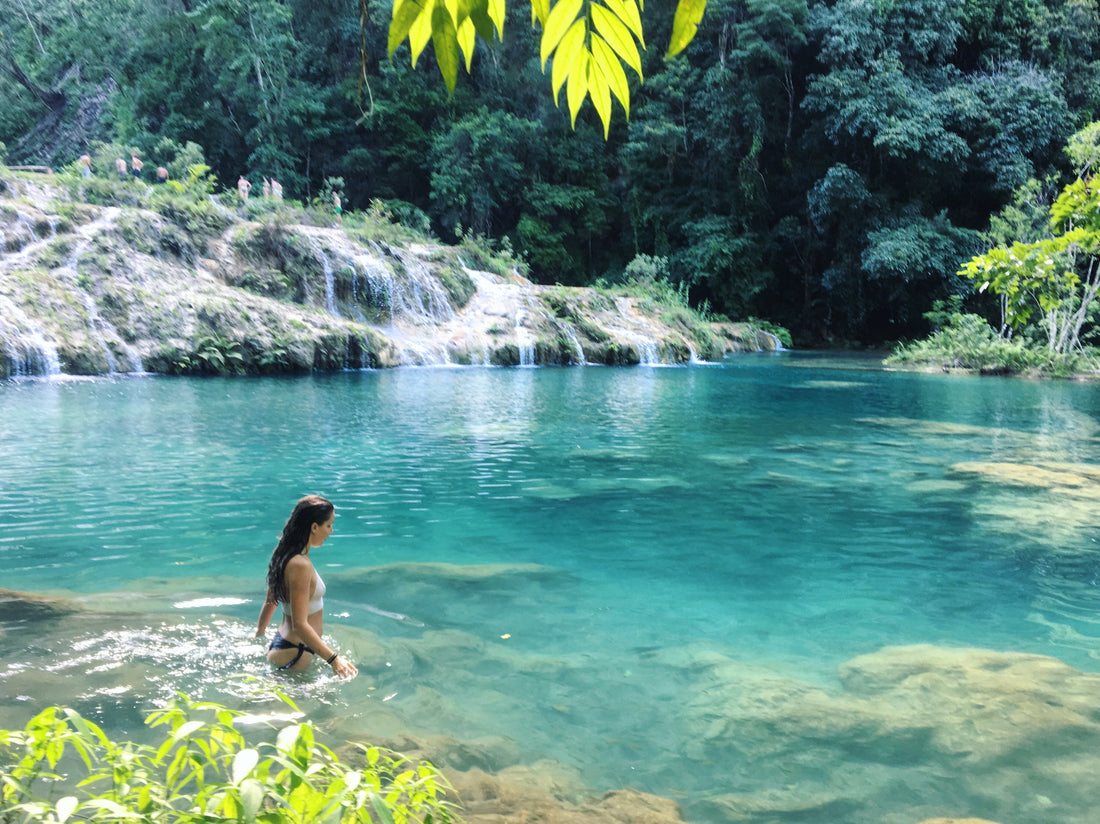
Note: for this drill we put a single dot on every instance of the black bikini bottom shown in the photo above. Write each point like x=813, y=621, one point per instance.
x=279, y=642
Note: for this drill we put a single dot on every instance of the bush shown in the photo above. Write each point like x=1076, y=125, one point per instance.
x=204, y=772
x=966, y=341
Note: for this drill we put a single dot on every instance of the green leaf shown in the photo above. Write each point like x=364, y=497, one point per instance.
x=612, y=71
x=576, y=88
x=558, y=24
x=445, y=41
x=540, y=10
x=566, y=59
x=383, y=812
x=600, y=92
x=252, y=797
x=618, y=37
x=628, y=12
x=243, y=764
x=65, y=807
x=404, y=14
x=684, y=25
x=184, y=730
x=421, y=31
x=466, y=36
x=497, y=9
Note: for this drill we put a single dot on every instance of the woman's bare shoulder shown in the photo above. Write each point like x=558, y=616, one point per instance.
x=299, y=564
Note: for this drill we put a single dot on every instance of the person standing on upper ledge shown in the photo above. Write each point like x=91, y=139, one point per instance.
x=136, y=165
x=85, y=162
x=243, y=187
x=120, y=167
x=162, y=174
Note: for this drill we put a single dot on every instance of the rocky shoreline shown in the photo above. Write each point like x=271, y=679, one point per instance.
x=148, y=279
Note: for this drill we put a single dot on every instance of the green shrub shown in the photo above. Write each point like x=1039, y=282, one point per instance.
x=966, y=341
x=205, y=771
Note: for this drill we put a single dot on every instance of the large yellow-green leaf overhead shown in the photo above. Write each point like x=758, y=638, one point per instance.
x=587, y=42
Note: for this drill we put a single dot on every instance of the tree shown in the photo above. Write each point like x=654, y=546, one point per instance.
x=1054, y=281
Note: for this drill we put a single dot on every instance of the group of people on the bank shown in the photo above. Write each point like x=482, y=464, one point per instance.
x=271, y=188
x=123, y=169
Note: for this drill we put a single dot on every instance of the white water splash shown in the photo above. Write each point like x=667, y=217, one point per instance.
x=28, y=350
x=523, y=340
x=330, y=278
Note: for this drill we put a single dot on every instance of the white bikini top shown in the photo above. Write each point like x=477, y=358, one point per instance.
x=317, y=602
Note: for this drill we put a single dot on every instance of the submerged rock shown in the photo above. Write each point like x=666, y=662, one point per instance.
x=26, y=606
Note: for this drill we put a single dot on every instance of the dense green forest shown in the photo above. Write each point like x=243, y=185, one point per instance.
x=825, y=165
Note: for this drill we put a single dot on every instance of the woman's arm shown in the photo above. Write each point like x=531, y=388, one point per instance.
x=266, y=612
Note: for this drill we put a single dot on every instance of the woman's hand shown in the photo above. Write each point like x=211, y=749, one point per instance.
x=343, y=668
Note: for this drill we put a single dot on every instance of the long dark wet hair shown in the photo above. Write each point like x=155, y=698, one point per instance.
x=310, y=510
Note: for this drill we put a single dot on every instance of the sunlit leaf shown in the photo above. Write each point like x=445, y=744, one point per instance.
x=497, y=9
x=467, y=39
x=567, y=56
x=600, y=93
x=65, y=807
x=604, y=59
x=243, y=763
x=628, y=12
x=561, y=18
x=576, y=88
x=618, y=37
x=685, y=24
x=405, y=13
x=421, y=32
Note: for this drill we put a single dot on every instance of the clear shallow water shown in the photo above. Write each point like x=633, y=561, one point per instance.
x=596, y=566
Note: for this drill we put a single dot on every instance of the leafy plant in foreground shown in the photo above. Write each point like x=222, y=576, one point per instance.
x=204, y=771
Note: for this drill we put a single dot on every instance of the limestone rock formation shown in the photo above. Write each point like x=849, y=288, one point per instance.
x=166, y=280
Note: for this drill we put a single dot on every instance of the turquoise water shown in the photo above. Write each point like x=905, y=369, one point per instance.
x=654, y=575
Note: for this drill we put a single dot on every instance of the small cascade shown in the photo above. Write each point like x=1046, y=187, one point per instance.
x=578, y=350
x=99, y=327
x=330, y=278
x=523, y=341
x=417, y=294
x=648, y=354
x=776, y=345
x=25, y=346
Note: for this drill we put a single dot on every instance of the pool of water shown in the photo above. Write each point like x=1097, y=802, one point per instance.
x=776, y=588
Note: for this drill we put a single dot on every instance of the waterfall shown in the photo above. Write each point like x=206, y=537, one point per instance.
x=99, y=327
x=26, y=348
x=330, y=278
x=412, y=293
x=418, y=294
x=523, y=341
x=571, y=336
x=647, y=354
x=775, y=341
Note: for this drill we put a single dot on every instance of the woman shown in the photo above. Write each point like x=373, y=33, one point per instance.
x=293, y=582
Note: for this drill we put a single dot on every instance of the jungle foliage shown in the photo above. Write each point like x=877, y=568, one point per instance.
x=825, y=164
x=63, y=767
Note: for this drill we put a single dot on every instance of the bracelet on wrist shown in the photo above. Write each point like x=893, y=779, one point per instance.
x=332, y=658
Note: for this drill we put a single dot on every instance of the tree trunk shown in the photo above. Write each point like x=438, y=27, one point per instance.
x=54, y=99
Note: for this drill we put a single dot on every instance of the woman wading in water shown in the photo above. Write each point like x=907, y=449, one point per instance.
x=293, y=582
